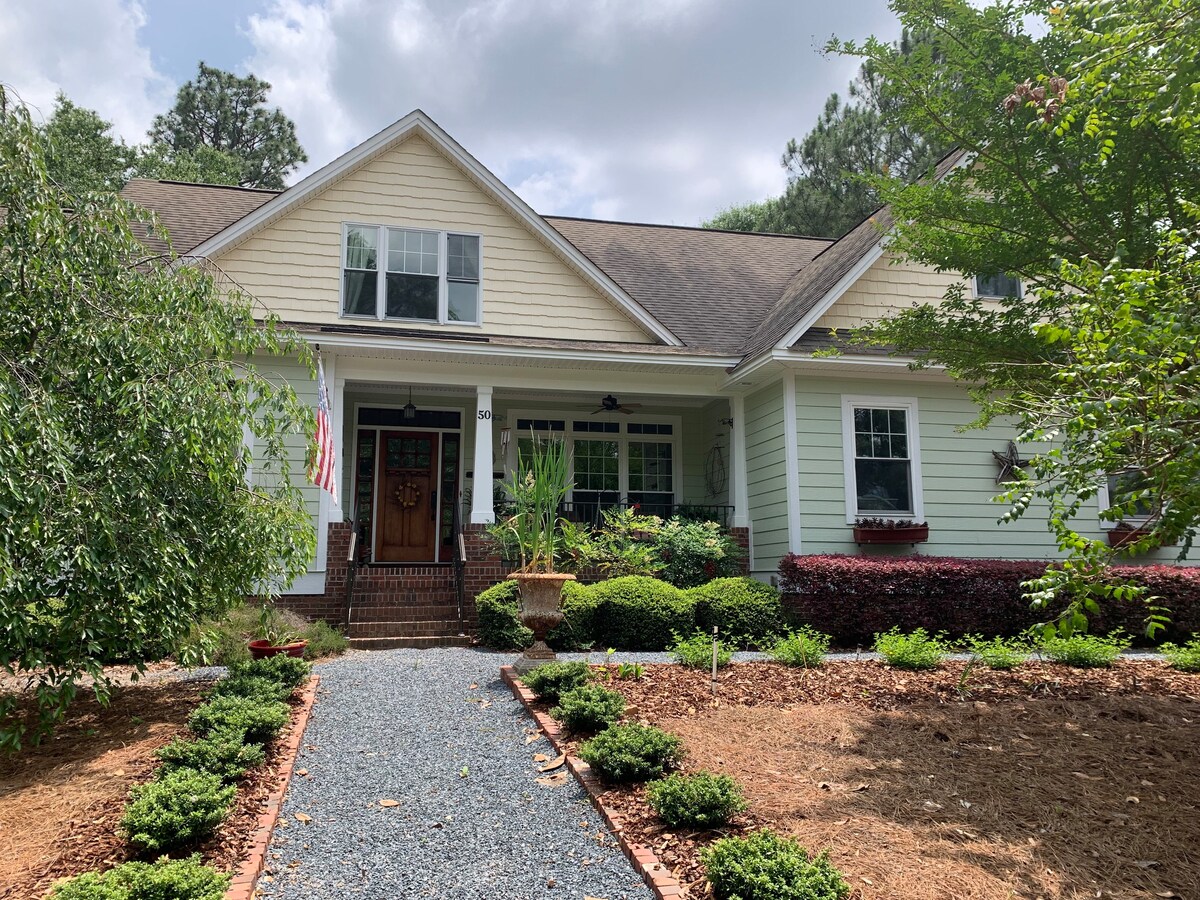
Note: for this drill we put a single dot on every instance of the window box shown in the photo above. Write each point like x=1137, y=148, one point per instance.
x=883, y=531
x=1124, y=533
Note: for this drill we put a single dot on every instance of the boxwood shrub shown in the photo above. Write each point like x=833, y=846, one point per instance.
x=167, y=879
x=589, y=707
x=551, y=680
x=701, y=800
x=222, y=754
x=254, y=686
x=255, y=721
x=747, y=612
x=766, y=866
x=641, y=613
x=177, y=809
x=287, y=670
x=852, y=598
x=629, y=753
x=501, y=629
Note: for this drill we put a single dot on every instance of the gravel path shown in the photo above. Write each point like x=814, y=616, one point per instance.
x=471, y=822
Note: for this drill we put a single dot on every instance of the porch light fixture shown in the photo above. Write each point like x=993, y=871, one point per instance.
x=410, y=411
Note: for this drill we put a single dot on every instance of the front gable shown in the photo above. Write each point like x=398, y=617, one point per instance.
x=529, y=287
x=886, y=287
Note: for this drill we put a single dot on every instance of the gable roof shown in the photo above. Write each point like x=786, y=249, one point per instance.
x=416, y=122
x=709, y=287
x=192, y=213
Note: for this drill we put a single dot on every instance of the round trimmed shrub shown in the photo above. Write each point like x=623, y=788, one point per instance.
x=747, y=612
x=223, y=755
x=255, y=721
x=765, y=866
x=551, y=680
x=589, y=707
x=702, y=800
x=640, y=613
x=499, y=627
x=578, y=628
x=167, y=879
x=175, y=810
x=629, y=753
x=287, y=670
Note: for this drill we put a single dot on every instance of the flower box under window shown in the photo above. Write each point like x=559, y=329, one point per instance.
x=889, y=531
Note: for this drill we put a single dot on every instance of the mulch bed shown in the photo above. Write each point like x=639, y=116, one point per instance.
x=60, y=802
x=1042, y=782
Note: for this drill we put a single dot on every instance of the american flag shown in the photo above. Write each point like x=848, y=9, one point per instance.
x=321, y=472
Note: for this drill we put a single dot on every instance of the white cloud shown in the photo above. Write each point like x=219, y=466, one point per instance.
x=89, y=51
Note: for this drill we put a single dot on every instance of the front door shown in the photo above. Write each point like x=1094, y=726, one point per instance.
x=406, y=527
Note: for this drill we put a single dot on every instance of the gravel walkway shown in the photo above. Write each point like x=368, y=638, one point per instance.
x=471, y=822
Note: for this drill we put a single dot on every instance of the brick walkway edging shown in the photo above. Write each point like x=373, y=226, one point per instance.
x=246, y=879
x=657, y=876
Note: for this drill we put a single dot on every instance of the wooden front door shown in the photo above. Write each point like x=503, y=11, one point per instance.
x=407, y=508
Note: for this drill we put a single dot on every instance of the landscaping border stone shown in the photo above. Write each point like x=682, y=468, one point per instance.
x=656, y=875
x=246, y=878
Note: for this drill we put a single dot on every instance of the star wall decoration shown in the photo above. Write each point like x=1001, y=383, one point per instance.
x=1009, y=461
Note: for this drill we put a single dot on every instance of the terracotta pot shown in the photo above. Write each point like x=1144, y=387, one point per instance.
x=263, y=649
x=914, y=534
x=539, y=609
x=1119, y=537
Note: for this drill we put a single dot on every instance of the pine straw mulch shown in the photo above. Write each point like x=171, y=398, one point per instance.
x=60, y=802
x=1044, y=782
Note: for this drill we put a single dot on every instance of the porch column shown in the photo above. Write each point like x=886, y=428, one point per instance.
x=342, y=452
x=739, y=486
x=482, y=510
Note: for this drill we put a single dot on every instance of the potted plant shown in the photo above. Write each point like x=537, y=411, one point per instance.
x=533, y=533
x=890, y=531
x=273, y=636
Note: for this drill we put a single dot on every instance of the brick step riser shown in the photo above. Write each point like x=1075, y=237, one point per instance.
x=405, y=629
x=389, y=643
x=377, y=613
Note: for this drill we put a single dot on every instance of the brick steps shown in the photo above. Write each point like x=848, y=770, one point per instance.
x=389, y=643
x=404, y=612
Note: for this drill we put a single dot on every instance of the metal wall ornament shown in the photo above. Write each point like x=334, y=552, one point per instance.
x=1010, y=463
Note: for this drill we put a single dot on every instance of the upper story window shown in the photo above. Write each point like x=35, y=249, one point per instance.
x=883, y=465
x=997, y=286
x=428, y=276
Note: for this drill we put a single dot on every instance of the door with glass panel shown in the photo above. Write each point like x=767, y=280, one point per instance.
x=406, y=528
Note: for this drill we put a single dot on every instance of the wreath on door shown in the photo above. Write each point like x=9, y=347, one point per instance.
x=408, y=494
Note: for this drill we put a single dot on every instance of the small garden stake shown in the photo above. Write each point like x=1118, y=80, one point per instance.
x=714, y=662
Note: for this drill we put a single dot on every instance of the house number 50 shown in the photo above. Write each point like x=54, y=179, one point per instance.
x=485, y=414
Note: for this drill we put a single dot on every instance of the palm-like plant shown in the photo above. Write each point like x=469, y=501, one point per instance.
x=537, y=488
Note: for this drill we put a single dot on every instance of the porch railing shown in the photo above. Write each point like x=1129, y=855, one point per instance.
x=591, y=512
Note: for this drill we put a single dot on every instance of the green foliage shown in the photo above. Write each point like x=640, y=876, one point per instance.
x=224, y=113
x=693, y=553
x=1185, y=658
x=578, y=628
x=177, y=809
x=766, y=866
x=701, y=800
x=914, y=650
x=223, y=755
x=256, y=687
x=769, y=217
x=536, y=490
x=630, y=671
x=623, y=544
x=1080, y=121
x=1084, y=651
x=998, y=652
x=116, y=552
x=199, y=165
x=805, y=648
x=589, y=707
x=81, y=153
x=166, y=879
x=499, y=627
x=255, y=721
x=696, y=651
x=323, y=640
x=637, y=613
x=631, y=753
x=551, y=680
x=221, y=641
x=748, y=612
x=286, y=670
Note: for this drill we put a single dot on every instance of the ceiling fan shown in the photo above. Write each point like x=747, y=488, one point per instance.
x=611, y=404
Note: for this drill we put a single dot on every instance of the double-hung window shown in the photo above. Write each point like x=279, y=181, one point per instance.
x=997, y=285
x=1128, y=490
x=427, y=276
x=882, y=456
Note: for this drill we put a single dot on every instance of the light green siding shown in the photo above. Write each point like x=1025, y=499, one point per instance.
x=957, y=469
x=766, y=477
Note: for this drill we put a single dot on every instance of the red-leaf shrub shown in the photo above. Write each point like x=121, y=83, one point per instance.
x=854, y=597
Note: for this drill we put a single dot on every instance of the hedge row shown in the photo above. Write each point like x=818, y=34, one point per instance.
x=854, y=597
x=638, y=613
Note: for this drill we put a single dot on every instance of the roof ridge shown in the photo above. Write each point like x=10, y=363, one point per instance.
x=804, y=237
x=226, y=187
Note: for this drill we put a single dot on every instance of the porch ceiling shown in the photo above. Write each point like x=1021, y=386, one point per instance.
x=568, y=399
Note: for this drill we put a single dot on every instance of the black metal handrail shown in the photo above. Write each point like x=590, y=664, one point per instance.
x=459, y=558
x=351, y=562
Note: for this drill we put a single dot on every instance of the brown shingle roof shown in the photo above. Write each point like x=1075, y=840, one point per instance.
x=192, y=213
x=711, y=288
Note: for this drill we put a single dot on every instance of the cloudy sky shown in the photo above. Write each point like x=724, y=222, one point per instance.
x=642, y=110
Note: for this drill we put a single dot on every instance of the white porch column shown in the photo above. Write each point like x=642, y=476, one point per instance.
x=343, y=452
x=740, y=489
x=482, y=510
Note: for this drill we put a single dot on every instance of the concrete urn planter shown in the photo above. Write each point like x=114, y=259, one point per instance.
x=539, y=609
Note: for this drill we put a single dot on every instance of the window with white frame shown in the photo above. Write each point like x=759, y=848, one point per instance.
x=997, y=285
x=1128, y=487
x=882, y=456
x=428, y=276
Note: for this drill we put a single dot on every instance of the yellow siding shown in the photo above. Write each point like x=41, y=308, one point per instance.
x=884, y=288
x=293, y=266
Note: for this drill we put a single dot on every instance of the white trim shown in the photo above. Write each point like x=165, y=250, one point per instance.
x=791, y=455
x=338, y=428
x=324, y=498
x=909, y=405
x=1105, y=501
x=973, y=288
x=740, y=481
x=308, y=583
x=417, y=122
x=483, y=511
x=831, y=296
